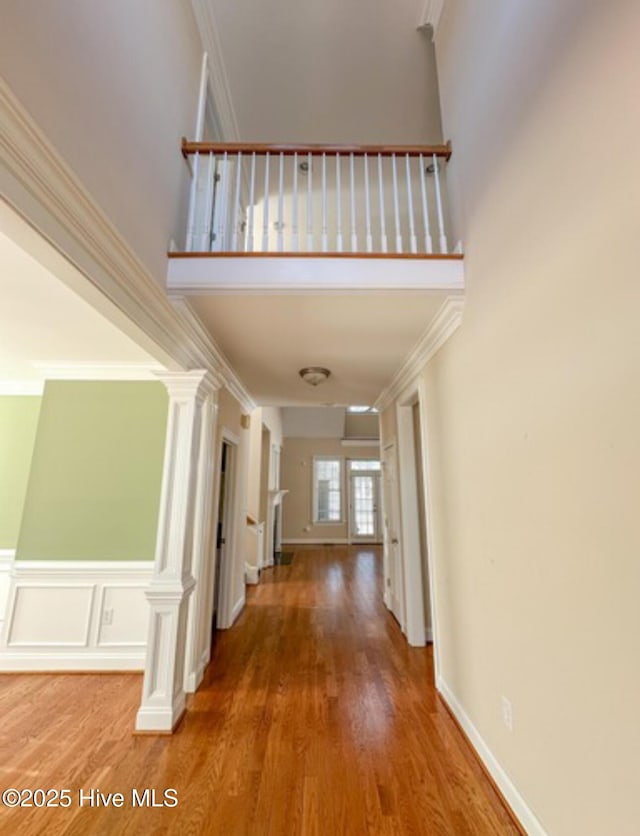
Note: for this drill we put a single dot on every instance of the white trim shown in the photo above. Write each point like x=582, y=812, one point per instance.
x=73, y=661
x=237, y=609
x=519, y=806
x=431, y=15
x=227, y=123
x=432, y=555
x=442, y=326
x=411, y=553
x=7, y=556
x=326, y=541
x=99, y=371
x=12, y=388
x=297, y=275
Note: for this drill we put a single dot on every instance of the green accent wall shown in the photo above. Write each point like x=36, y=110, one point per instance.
x=94, y=487
x=18, y=425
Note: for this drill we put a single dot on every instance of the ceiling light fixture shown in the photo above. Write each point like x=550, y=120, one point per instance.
x=314, y=375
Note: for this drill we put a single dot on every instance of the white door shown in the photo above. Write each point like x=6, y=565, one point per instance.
x=393, y=578
x=363, y=508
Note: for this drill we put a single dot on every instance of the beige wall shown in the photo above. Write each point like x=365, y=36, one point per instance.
x=297, y=462
x=534, y=404
x=114, y=87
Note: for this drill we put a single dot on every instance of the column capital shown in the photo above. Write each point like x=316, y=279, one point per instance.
x=196, y=383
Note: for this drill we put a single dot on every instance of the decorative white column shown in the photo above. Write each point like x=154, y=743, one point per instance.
x=163, y=695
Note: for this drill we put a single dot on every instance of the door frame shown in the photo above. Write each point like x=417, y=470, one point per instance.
x=228, y=562
x=392, y=511
x=416, y=393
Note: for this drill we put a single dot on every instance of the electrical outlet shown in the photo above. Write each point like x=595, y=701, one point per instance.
x=507, y=713
x=107, y=617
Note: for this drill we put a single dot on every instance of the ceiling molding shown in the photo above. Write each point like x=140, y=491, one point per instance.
x=37, y=182
x=227, y=123
x=442, y=326
x=226, y=376
x=12, y=388
x=99, y=371
x=431, y=15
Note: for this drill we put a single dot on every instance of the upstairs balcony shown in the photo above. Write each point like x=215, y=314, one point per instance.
x=311, y=218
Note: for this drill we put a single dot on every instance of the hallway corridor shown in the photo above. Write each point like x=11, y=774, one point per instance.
x=315, y=717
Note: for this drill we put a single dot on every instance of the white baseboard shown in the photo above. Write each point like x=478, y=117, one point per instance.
x=237, y=609
x=76, y=615
x=322, y=541
x=520, y=808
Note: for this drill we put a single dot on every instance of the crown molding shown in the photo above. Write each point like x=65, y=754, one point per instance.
x=199, y=335
x=33, y=388
x=38, y=184
x=442, y=326
x=226, y=122
x=431, y=15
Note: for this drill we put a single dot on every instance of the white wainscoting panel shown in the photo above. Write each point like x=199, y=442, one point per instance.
x=75, y=615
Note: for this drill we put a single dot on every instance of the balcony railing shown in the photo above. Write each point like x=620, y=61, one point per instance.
x=313, y=200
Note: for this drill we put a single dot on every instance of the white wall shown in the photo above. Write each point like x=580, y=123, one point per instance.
x=313, y=422
x=114, y=87
x=534, y=404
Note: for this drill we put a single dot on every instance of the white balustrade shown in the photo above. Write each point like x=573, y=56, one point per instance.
x=399, y=189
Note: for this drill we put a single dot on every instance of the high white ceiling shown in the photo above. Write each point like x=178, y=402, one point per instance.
x=43, y=323
x=361, y=338
x=354, y=72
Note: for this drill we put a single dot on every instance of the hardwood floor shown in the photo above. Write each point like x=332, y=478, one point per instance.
x=315, y=717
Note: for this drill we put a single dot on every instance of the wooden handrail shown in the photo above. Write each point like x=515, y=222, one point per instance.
x=443, y=151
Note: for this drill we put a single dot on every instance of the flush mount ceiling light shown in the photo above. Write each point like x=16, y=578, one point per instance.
x=314, y=375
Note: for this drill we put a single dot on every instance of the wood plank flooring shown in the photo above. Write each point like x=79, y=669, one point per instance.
x=315, y=717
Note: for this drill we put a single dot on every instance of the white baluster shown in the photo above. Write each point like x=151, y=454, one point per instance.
x=252, y=191
x=280, y=204
x=396, y=204
x=324, y=238
x=367, y=204
x=294, y=223
x=309, y=206
x=338, y=207
x=222, y=197
x=265, y=215
x=443, y=238
x=428, y=243
x=383, y=223
x=236, y=204
x=413, y=243
x=193, y=200
x=207, y=220
x=352, y=190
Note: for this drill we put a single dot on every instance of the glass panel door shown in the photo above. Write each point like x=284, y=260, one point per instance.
x=364, y=506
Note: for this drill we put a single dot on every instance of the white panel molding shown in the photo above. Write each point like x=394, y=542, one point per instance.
x=442, y=326
x=360, y=442
x=519, y=806
x=310, y=274
x=33, y=388
x=225, y=375
x=97, y=597
x=226, y=123
x=431, y=15
x=36, y=181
